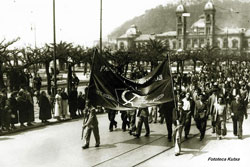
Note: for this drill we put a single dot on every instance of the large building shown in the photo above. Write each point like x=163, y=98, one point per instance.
x=204, y=31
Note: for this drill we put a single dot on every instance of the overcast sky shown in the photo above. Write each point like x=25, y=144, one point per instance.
x=77, y=21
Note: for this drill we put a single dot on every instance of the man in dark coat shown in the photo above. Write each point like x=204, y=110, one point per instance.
x=3, y=99
x=45, y=108
x=22, y=107
x=238, y=113
x=167, y=110
x=12, y=106
x=73, y=103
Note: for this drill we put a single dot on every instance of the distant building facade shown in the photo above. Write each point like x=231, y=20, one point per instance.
x=203, y=32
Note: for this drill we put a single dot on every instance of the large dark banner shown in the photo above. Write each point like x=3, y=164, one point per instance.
x=112, y=91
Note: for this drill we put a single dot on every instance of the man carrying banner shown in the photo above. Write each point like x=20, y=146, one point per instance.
x=179, y=121
x=91, y=125
x=167, y=110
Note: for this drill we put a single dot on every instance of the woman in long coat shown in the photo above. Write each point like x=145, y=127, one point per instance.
x=45, y=107
x=58, y=105
x=22, y=108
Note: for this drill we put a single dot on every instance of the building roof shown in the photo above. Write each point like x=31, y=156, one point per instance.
x=132, y=32
x=201, y=23
x=228, y=31
x=209, y=6
x=247, y=33
x=145, y=37
x=169, y=33
x=180, y=9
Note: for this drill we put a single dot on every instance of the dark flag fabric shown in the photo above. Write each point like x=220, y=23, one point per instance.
x=113, y=91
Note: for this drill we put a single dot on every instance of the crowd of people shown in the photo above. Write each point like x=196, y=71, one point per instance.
x=215, y=94
x=17, y=107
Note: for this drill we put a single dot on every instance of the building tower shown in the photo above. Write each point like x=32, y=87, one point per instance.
x=209, y=12
x=181, y=26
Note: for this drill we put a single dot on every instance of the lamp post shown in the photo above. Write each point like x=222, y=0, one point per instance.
x=54, y=44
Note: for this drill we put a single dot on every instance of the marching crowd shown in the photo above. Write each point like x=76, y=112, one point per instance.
x=215, y=93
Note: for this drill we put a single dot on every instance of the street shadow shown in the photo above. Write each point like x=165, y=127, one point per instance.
x=188, y=147
x=5, y=138
x=153, y=139
x=27, y=129
x=104, y=146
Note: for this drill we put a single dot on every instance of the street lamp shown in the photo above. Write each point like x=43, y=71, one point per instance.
x=54, y=44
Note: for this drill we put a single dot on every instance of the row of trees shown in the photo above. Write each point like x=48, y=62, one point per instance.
x=13, y=61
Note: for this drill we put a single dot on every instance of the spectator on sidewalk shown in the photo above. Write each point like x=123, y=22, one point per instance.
x=22, y=107
x=3, y=111
x=30, y=105
x=58, y=105
x=80, y=104
x=45, y=108
x=73, y=102
x=37, y=82
x=64, y=103
x=12, y=106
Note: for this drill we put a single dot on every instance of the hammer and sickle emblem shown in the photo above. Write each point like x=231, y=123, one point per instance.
x=130, y=100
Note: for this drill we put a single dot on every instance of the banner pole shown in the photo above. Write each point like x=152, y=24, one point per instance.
x=170, y=69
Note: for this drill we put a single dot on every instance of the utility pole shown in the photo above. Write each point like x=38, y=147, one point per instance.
x=54, y=53
x=101, y=27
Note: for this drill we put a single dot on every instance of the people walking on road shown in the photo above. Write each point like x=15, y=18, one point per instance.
x=143, y=119
x=45, y=108
x=201, y=115
x=37, y=82
x=220, y=117
x=179, y=118
x=237, y=113
x=91, y=125
x=125, y=122
x=132, y=121
x=187, y=110
x=80, y=103
x=111, y=117
x=166, y=109
x=30, y=105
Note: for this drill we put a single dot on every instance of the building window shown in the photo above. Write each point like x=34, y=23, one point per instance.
x=208, y=30
x=179, y=43
x=225, y=43
x=195, y=43
x=179, y=31
x=122, y=47
x=235, y=43
x=218, y=43
x=208, y=18
x=179, y=19
x=202, y=43
x=174, y=45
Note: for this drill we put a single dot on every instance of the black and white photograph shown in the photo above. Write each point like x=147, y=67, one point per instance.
x=124, y=83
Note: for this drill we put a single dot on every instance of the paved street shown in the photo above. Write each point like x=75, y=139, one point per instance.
x=60, y=145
